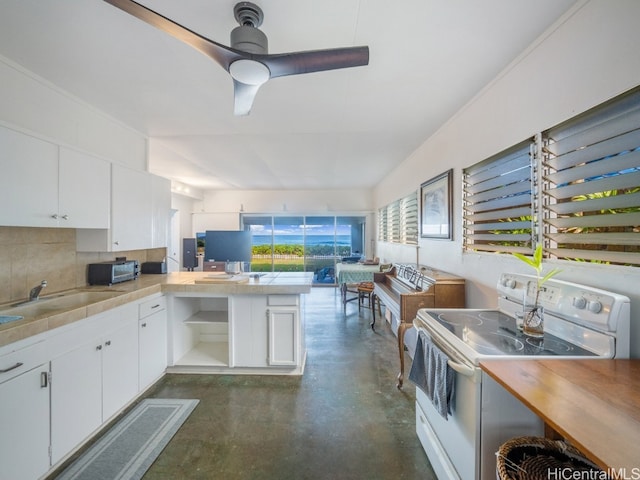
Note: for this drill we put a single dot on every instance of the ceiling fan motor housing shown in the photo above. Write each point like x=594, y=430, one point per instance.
x=249, y=39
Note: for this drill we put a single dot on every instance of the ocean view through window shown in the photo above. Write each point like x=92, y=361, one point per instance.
x=304, y=243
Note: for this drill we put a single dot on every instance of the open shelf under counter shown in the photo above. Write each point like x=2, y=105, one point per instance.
x=208, y=317
x=199, y=332
x=242, y=333
x=206, y=354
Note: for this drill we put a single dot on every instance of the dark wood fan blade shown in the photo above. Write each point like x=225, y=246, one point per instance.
x=220, y=53
x=243, y=96
x=296, y=63
x=279, y=64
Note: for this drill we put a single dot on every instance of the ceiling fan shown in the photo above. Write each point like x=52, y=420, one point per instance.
x=247, y=60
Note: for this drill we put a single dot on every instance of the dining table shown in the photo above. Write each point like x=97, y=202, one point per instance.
x=592, y=404
x=353, y=273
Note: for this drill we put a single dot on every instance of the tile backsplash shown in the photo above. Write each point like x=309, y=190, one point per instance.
x=30, y=255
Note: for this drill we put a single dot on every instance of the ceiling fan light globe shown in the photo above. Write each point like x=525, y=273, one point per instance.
x=249, y=72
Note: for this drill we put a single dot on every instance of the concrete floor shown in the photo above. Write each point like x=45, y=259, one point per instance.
x=343, y=419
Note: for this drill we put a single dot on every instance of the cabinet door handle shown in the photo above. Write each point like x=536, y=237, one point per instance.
x=107, y=343
x=65, y=217
x=8, y=369
x=156, y=305
x=144, y=325
x=99, y=347
x=44, y=379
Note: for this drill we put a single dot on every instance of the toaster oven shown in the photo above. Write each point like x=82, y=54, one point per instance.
x=116, y=271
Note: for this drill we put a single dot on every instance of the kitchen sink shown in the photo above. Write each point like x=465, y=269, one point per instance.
x=57, y=302
x=9, y=318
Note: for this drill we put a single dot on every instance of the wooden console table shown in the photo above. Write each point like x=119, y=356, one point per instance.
x=594, y=404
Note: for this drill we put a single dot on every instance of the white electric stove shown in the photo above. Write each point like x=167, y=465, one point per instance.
x=579, y=321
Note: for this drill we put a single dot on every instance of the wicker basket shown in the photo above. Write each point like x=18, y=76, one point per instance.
x=534, y=458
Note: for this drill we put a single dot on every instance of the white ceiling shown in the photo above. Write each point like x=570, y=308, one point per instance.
x=338, y=129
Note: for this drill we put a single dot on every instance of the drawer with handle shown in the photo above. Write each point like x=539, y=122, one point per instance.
x=149, y=307
x=19, y=361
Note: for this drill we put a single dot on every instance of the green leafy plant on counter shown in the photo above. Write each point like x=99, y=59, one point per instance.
x=536, y=263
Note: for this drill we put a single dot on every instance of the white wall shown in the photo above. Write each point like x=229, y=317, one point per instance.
x=315, y=202
x=588, y=57
x=33, y=105
x=201, y=222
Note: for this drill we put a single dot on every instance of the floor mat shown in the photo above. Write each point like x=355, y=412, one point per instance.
x=129, y=448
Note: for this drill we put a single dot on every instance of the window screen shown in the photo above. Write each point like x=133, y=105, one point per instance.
x=398, y=221
x=592, y=184
x=500, y=202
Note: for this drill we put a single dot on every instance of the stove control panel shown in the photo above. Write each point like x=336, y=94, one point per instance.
x=581, y=304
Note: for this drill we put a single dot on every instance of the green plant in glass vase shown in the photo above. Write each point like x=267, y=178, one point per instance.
x=533, y=314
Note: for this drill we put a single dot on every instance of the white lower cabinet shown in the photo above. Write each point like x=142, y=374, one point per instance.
x=76, y=398
x=24, y=420
x=92, y=382
x=152, y=340
x=283, y=336
x=266, y=330
x=249, y=326
x=119, y=368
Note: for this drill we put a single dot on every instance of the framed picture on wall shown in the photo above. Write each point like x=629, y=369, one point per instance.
x=436, y=198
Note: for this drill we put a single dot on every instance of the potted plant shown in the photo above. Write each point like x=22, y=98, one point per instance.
x=533, y=315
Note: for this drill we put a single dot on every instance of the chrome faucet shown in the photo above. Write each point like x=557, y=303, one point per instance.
x=34, y=294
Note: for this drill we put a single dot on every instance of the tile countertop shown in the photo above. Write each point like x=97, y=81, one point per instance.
x=39, y=321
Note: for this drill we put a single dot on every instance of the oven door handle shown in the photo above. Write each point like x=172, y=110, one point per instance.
x=461, y=368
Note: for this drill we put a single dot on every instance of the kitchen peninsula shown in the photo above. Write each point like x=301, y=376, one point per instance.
x=78, y=358
x=237, y=324
x=216, y=322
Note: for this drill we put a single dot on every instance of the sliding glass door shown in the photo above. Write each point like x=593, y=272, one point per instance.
x=320, y=248
x=288, y=244
x=304, y=243
x=277, y=243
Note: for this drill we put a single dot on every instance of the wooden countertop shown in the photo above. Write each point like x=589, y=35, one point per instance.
x=594, y=404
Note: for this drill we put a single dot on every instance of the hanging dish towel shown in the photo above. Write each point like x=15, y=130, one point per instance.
x=430, y=371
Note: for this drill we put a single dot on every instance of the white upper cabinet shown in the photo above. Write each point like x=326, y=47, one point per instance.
x=29, y=180
x=131, y=209
x=44, y=185
x=84, y=190
x=114, y=208
x=131, y=213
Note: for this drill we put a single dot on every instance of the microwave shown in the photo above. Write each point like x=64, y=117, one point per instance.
x=108, y=273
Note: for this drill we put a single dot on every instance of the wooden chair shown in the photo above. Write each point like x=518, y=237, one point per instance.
x=364, y=289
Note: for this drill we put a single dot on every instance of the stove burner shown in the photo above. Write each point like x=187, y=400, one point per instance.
x=492, y=342
x=493, y=316
x=494, y=333
x=550, y=345
x=460, y=319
